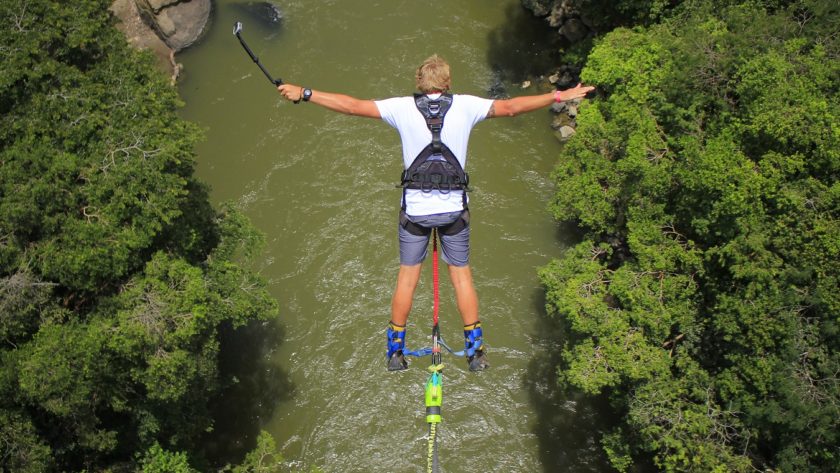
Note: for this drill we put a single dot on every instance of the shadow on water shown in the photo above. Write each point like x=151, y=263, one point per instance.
x=570, y=424
x=267, y=15
x=253, y=386
x=523, y=47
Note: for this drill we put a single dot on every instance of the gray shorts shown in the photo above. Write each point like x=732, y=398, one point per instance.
x=455, y=248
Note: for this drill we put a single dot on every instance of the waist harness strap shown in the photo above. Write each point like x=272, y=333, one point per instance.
x=462, y=222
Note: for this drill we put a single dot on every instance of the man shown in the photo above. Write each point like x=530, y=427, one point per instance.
x=434, y=128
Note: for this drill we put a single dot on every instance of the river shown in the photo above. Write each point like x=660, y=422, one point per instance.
x=320, y=186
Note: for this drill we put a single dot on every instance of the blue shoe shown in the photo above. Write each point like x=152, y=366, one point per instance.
x=396, y=345
x=474, y=347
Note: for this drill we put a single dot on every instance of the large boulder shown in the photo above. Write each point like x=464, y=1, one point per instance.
x=565, y=132
x=565, y=15
x=163, y=26
x=178, y=23
x=560, y=12
x=538, y=7
x=141, y=36
x=158, y=5
x=574, y=30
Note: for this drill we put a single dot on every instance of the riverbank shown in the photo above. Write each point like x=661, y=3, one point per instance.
x=572, y=27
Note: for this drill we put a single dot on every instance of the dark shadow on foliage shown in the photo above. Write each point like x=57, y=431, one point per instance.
x=523, y=47
x=252, y=386
x=569, y=234
x=195, y=233
x=570, y=424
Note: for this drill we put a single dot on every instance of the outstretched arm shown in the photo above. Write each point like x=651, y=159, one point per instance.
x=335, y=102
x=528, y=103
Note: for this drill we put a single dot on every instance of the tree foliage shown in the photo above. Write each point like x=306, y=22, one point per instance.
x=703, y=298
x=116, y=273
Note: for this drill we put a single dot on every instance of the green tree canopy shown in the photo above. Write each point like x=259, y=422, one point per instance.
x=703, y=298
x=116, y=273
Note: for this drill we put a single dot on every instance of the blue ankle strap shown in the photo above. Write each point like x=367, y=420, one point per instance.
x=396, y=341
x=473, y=340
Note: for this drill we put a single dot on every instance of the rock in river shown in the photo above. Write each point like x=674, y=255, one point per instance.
x=265, y=13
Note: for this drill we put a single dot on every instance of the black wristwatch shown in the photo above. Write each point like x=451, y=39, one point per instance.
x=307, y=94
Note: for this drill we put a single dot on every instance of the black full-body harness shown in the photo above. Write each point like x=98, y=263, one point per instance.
x=436, y=167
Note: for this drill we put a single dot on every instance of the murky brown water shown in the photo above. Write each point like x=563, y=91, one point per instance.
x=321, y=187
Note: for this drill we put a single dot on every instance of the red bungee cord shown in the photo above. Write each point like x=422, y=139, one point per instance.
x=436, y=297
x=435, y=277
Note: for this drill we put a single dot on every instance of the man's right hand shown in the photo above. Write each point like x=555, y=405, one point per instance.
x=291, y=92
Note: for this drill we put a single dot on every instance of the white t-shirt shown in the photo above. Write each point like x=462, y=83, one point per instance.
x=401, y=113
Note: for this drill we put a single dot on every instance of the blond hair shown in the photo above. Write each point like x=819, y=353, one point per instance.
x=433, y=75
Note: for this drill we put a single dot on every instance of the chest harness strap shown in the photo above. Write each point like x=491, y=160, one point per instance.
x=436, y=167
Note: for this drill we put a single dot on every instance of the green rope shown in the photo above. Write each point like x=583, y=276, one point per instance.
x=433, y=464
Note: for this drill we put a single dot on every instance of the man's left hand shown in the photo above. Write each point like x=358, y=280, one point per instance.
x=577, y=92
